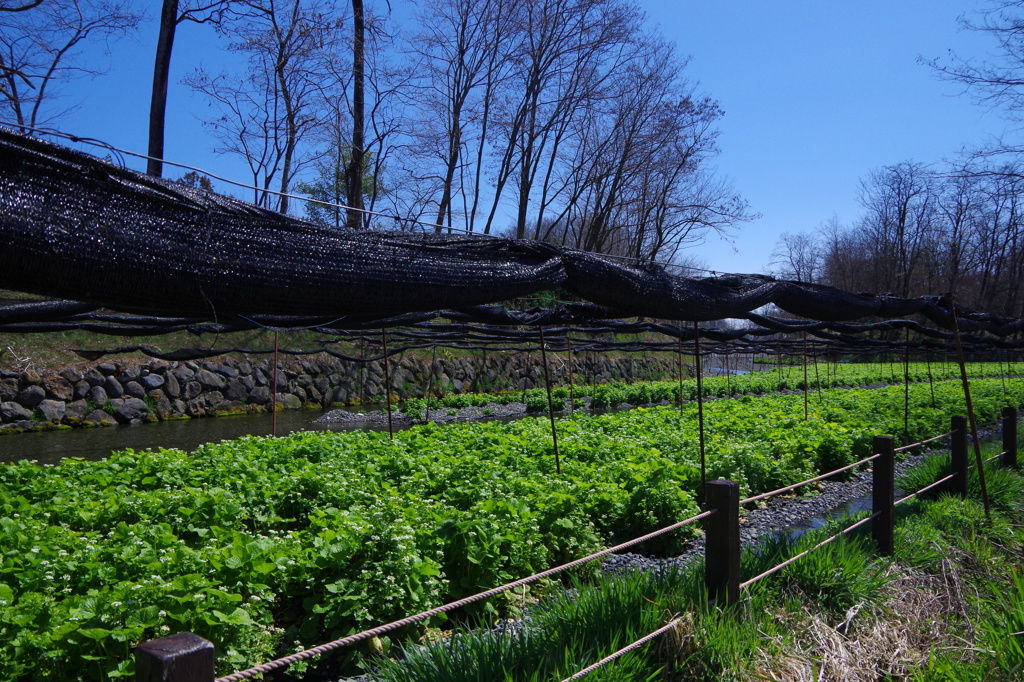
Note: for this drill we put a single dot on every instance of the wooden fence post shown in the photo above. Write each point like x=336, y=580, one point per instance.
x=1009, y=437
x=958, y=456
x=882, y=489
x=182, y=657
x=722, y=542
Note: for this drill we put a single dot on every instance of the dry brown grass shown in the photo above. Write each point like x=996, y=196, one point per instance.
x=921, y=613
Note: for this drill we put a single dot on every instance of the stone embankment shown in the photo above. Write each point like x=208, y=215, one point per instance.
x=126, y=392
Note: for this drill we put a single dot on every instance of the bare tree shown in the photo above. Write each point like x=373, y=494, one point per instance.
x=999, y=79
x=40, y=47
x=900, y=204
x=172, y=13
x=266, y=114
x=798, y=256
x=458, y=51
x=566, y=114
x=354, y=177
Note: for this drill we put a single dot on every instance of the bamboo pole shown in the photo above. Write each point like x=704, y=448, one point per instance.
x=700, y=405
x=970, y=407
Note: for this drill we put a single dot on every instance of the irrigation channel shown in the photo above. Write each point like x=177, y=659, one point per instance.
x=49, y=447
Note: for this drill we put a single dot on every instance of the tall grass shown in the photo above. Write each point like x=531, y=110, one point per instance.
x=575, y=628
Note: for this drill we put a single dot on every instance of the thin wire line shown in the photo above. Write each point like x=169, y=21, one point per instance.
x=778, y=568
x=923, y=442
x=772, y=493
x=924, y=489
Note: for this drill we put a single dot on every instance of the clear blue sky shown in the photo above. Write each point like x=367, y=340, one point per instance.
x=816, y=93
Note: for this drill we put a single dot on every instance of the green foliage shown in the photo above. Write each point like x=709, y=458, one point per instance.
x=1003, y=630
x=263, y=545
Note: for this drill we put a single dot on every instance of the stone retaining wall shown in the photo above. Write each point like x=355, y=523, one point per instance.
x=124, y=392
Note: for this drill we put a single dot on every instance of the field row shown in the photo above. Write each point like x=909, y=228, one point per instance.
x=790, y=378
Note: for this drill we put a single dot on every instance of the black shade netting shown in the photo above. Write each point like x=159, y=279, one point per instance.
x=75, y=227
x=74, y=224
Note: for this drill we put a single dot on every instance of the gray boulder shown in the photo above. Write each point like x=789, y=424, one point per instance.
x=210, y=381
x=58, y=388
x=81, y=390
x=8, y=389
x=106, y=368
x=76, y=410
x=52, y=410
x=113, y=388
x=11, y=411
x=99, y=417
x=193, y=390
x=30, y=396
x=195, y=408
x=134, y=389
x=162, y=406
x=126, y=410
x=98, y=396
x=223, y=370
x=151, y=382
x=236, y=390
x=171, y=387
x=72, y=375
x=259, y=395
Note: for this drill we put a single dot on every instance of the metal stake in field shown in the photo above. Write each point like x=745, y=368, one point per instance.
x=572, y=391
x=430, y=383
x=387, y=383
x=700, y=405
x=970, y=405
x=906, y=388
x=805, y=375
x=273, y=393
x=680, y=372
x=551, y=405
x=931, y=381
x=817, y=377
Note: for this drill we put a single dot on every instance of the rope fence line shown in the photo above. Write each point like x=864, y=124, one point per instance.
x=409, y=620
x=923, y=442
x=787, y=562
x=625, y=650
x=779, y=491
x=925, y=489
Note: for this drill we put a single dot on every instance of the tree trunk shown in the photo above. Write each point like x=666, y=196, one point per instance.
x=355, y=170
x=158, y=103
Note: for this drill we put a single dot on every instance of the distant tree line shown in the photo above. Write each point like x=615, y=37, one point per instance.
x=562, y=120
x=955, y=227
x=923, y=231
